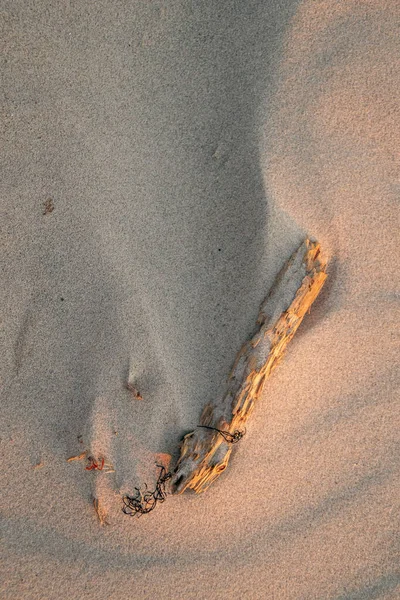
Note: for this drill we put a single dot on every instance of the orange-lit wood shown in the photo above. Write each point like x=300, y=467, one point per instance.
x=204, y=452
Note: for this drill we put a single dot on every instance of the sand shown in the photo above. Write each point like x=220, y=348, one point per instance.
x=161, y=161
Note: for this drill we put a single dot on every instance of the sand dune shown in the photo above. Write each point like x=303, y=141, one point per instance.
x=161, y=162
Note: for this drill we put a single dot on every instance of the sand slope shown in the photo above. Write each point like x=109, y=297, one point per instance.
x=186, y=148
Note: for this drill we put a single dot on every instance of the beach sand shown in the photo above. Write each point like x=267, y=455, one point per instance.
x=161, y=161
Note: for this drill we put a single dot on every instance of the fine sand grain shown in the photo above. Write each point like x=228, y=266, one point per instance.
x=160, y=163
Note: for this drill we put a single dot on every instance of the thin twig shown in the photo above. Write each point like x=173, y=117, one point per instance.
x=100, y=511
x=78, y=457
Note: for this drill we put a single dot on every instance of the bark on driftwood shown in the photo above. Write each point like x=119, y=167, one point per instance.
x=205, y=452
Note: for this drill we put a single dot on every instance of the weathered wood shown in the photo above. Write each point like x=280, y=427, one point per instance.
x=205, y=452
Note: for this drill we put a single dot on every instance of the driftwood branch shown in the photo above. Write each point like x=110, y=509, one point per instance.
x=205, y=452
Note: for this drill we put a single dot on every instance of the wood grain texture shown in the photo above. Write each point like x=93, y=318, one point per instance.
x=205, y=452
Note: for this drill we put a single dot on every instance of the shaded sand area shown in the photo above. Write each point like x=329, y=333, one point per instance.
x=160, y=163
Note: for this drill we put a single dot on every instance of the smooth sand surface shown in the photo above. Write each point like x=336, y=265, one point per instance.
x=160, y=162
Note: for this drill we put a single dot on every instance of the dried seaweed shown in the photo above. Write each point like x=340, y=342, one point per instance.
x=231, y=438
x=145, y=501
x=93, y=465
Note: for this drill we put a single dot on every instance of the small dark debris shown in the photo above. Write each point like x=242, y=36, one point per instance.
x=48, y=206
x=135, y=392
